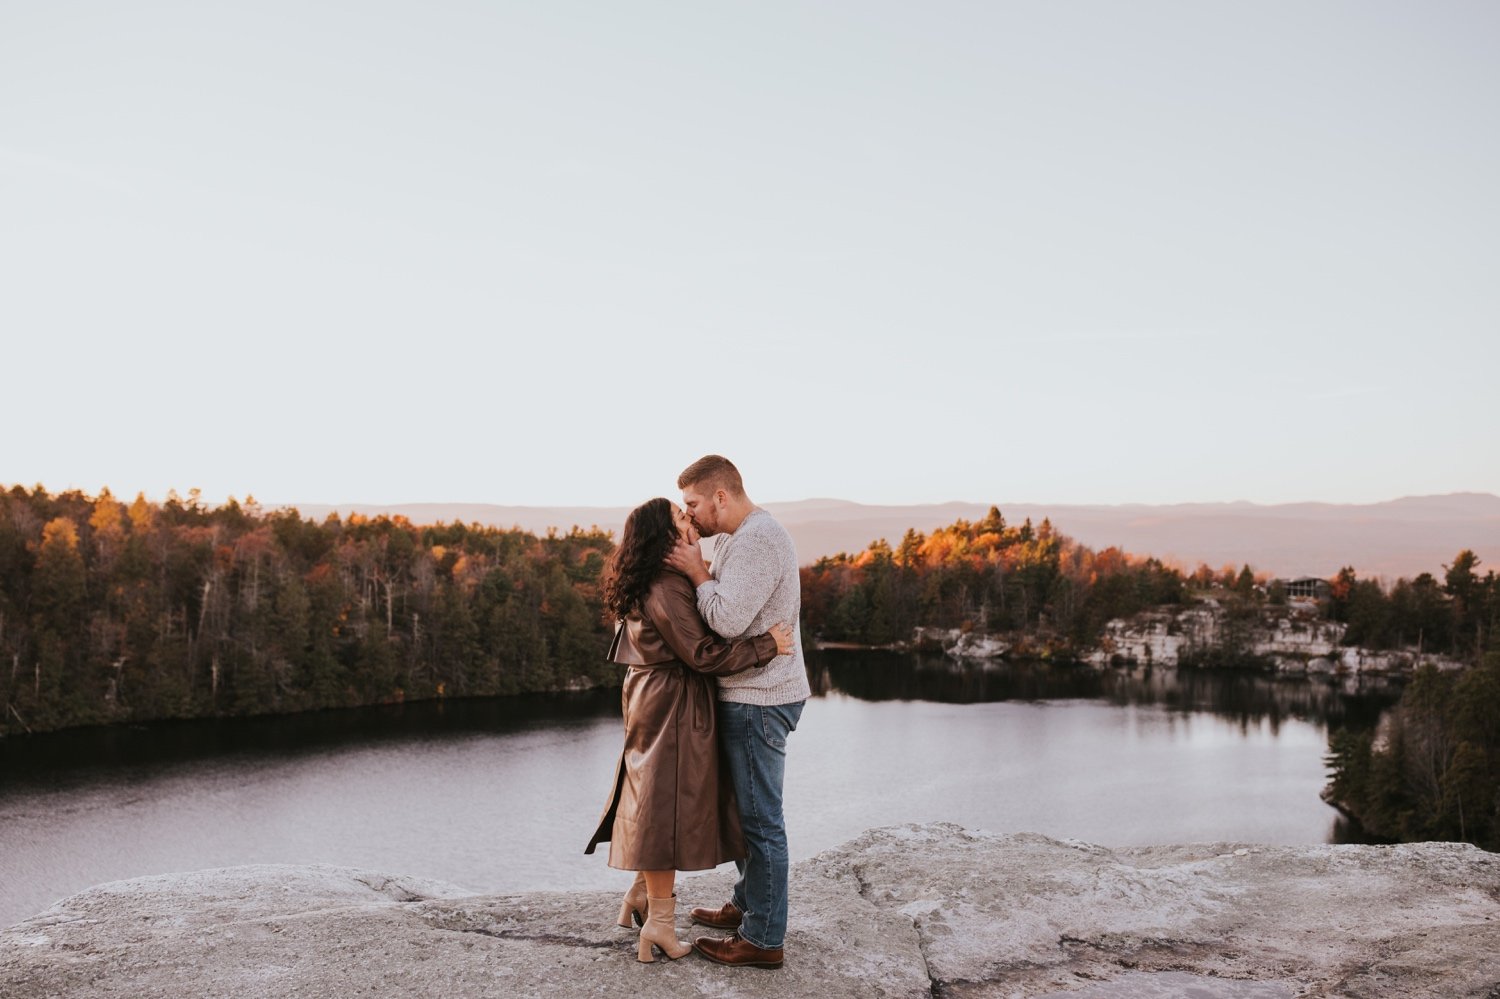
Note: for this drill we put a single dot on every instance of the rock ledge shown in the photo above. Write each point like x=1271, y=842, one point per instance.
x=929, y=910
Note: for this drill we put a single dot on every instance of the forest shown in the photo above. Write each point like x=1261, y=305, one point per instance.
x=1054, y=595
x=1432, y=770
x=115, y=612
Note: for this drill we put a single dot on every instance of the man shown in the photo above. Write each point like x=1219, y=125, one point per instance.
x=754, y=584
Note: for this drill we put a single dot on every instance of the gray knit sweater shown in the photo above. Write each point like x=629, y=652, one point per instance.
x=755, y=584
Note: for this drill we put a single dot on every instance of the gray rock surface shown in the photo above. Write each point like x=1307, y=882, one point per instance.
x=904, y=911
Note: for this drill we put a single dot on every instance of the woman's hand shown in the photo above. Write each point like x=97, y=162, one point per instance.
x=785, y=639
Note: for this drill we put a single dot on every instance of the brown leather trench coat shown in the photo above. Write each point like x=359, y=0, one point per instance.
x=672, y=807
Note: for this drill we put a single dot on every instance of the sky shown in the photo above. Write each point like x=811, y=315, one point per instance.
x=550, y=253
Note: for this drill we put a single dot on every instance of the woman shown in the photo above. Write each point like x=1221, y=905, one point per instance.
x=673, y=808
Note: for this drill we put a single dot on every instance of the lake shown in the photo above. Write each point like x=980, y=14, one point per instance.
x=501, y=795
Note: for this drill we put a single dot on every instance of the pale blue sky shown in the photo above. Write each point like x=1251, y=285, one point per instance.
x=552, y=252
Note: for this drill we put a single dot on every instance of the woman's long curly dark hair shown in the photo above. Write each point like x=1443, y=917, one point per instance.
x=639, y=558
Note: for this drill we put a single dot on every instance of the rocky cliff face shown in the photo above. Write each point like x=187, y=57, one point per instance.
x=1294, y=643
x=910, y=911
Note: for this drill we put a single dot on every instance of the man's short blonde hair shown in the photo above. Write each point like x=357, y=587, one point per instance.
x=713, y=472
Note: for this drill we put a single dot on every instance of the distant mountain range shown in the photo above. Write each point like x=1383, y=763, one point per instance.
x=1401, y=537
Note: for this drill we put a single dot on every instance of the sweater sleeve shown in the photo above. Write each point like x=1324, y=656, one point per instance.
x=672, y=611
x=746, y=582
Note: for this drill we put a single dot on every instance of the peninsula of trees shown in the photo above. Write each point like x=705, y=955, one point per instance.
x=1054, y=595
x=1432, y=770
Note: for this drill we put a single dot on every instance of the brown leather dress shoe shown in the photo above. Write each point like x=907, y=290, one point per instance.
x=737, y=951
x=726, y=918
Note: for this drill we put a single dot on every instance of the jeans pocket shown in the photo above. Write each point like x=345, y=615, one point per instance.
x=778, y=721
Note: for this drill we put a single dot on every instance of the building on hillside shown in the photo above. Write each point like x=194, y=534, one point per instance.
x=1306, y=588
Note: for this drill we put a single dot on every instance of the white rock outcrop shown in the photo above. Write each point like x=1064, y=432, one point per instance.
x=1295, y=643
x=957, y=643
x=931, y=910
x=974, y=645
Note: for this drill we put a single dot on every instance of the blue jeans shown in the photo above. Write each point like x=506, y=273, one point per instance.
x=754, y=743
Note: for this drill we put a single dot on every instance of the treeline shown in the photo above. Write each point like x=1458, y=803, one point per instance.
x=130, y=612
x=1459, y=616
x=1432, y=772
x=986, y=575
x=113, y=612
x=1057, y=594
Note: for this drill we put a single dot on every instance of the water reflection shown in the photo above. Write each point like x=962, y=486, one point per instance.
x=1237, y=695
x=82, y=756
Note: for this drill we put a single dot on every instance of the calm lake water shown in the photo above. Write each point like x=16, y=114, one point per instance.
x=501, y=795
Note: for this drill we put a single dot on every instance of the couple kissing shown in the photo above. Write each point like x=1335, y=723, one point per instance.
x=714, y=683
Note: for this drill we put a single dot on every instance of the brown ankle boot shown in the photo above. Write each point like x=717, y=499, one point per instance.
x=726, y=918
x=661, y=931
x=738, y=951
x=633, y=909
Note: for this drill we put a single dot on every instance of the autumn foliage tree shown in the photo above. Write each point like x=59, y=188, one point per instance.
x=984, y=574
